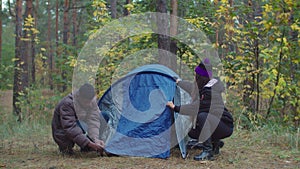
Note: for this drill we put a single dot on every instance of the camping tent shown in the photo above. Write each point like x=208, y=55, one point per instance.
x=138, y=121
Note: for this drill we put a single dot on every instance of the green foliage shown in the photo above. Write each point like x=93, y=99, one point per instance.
x=5, y=76
x=65, y=60
x=262, y=64
x=8, y=52
x=98, y=15
x=258, y=48
x=38, y=104
x=30, y=29
x=258, y=44
x=124, y=57
x=143, y=6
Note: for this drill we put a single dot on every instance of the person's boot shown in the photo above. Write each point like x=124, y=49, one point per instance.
x=207, y=153
x=216, y=146
x=194, y=144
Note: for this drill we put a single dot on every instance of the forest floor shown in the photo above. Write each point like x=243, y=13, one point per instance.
x=244, y=150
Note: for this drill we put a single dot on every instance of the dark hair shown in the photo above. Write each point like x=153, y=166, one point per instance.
x=87, y=91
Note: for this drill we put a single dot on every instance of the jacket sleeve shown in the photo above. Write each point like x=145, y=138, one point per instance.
x=72, y=130
x=188, y=109
x=93, y=121
x=193, y=107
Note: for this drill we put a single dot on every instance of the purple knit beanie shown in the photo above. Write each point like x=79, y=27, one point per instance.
x=204, y=68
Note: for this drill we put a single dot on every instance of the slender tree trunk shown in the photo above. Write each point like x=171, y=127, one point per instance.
x=56, y=32
x=278, y=74
x=113, y=7
x=65, y=40
x=231, y=2
x=33, y=42
x=174, y=14
x=126, y=11
x=256, y=50
x=163, y=38
x=293, y=34
x=26, y=47
x=173, y=48
x=18, y=87
x=174, y=21
x=256, y=53
x=26, y=50
x=0, y=31
x=10, y=9
x=74, y=21
x=217, y=31
x=79, y=29
x=49, y=46
x=173, y=32
x=248, y=99
x=56, y=25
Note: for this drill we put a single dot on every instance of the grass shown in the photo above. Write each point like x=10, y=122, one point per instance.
x=30, y=145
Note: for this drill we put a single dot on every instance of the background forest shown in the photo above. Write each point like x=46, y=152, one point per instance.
x=257, y=42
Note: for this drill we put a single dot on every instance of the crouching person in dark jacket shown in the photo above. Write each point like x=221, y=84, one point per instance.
x=80, y=105
x=212, y=121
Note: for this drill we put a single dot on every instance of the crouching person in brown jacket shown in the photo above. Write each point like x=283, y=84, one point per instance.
x=66, y=129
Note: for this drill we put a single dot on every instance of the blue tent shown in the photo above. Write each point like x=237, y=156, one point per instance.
x=138, y=121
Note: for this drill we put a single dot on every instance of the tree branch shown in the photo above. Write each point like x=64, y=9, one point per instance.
x=9, y=9
x=79, y=7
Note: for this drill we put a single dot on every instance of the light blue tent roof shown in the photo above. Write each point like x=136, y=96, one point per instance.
x=154, y=68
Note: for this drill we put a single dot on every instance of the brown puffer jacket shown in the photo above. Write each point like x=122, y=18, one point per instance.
x=64, y=121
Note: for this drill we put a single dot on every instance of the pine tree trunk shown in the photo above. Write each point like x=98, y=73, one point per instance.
x=33, y=42
x=293, y=34
x=163, y=38
x=113, y=7
x=56, y=32
x=26, y=45
x=173, y=32
x=0, y=31
x=18, y=87
x=74, y=21
x=49, y=46
x=248, y=98
x=126, y=12
x=65, y=41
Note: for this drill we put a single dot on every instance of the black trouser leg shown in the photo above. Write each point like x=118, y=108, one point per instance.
x=217, y=144
x=203, y=134
x=210, y=127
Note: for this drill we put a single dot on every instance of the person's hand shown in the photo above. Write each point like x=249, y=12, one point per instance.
x=100, y=142
x=178, y=80
x=95, y=146
x=171, y=104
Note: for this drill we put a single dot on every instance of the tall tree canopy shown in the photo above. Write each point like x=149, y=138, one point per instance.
x=257, y=41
